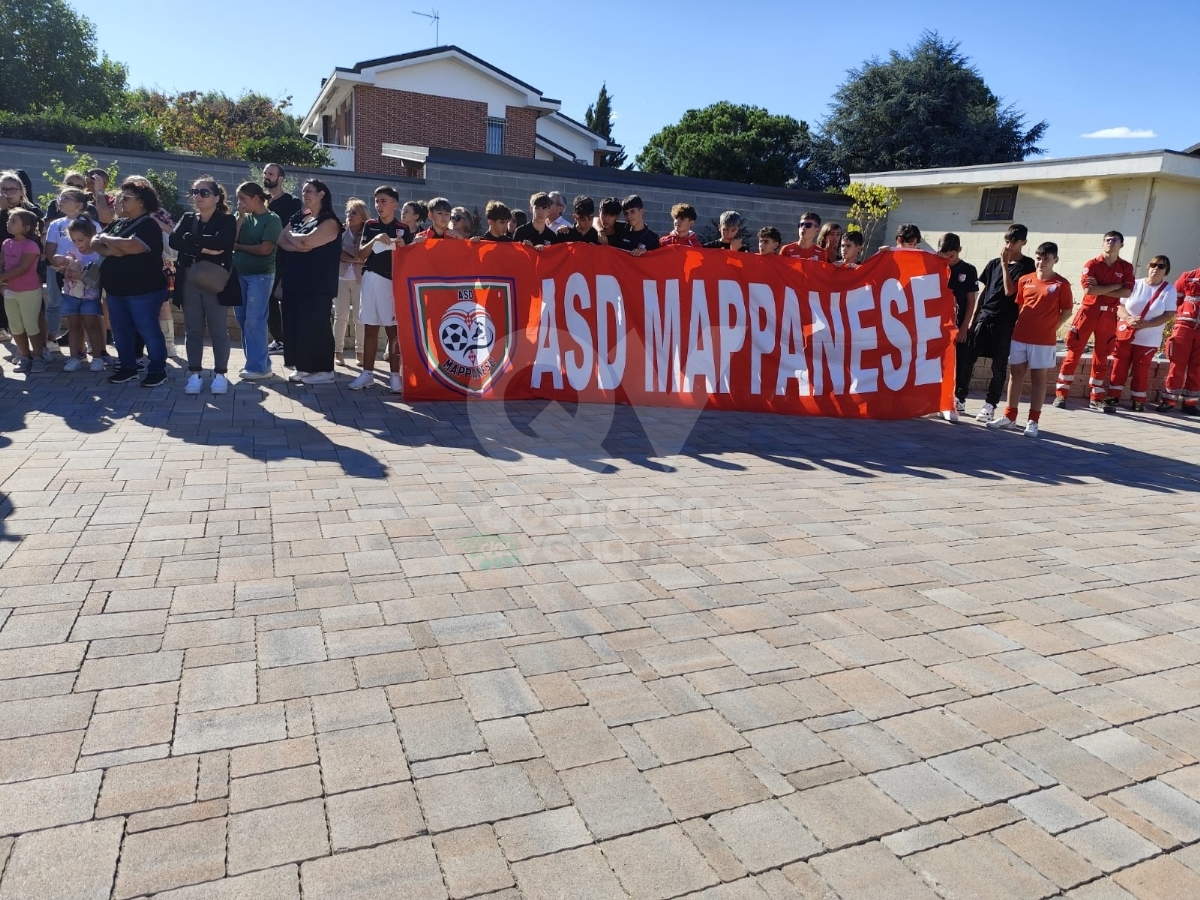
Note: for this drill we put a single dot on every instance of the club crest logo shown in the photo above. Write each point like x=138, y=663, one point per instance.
x=464, y=329
x=1051, y=288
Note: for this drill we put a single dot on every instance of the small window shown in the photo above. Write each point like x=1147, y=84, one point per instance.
x=495, y=136
x=998, y=204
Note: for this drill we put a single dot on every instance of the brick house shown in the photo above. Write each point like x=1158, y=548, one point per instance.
x=383, y=115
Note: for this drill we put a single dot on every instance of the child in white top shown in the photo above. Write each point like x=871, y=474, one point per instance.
x=81, y=307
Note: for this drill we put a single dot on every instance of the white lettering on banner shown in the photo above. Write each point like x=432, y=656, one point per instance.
x=892, y=295
x=925, y=288
x=792, y=364
x=762, y=338
x=700, y=360
x=828, y=343
x=579, y=363
x=608, y=296
x=733, y=333
x=548, y=360
x=662, y=335
x=862, y=338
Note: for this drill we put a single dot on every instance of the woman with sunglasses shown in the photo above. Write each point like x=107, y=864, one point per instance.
x=206, y=236
x=462, y=221
x=313, y=242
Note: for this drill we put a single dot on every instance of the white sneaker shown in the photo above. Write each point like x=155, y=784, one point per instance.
x=397, y=387
x=297, y=377
x=950, y=415
x=98, y=364
x=1031, y=429
x=986, y=414
x=247, y=375
x=960, y=406
x=220, y=384
x=195, y=384
x=73, y=364
x=1001, y=422
x=364, y=380
x=319, y=378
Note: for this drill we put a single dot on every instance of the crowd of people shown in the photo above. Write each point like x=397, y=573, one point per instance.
x=99, y=267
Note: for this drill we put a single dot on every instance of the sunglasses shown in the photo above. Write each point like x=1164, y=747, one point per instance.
x=457, y=218
x=807, y=225
x=1158, y=265
x=200, y=192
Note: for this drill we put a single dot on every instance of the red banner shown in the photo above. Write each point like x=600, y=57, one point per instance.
x=676, y=327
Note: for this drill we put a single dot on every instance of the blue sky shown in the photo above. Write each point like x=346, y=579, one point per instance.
x=1084, y=67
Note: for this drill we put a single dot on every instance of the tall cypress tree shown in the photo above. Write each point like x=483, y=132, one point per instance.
x=598, y=118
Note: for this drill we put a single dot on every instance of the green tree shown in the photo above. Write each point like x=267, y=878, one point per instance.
x=731, y=142
x=82, y=162
x=598, y=118
x=871, y=206
x=48, y=57
x=925, y=108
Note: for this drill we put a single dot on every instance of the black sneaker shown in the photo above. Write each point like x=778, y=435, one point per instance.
x=1111, y=404
x=275, y=347
x=120, y=376
x=141, y=364
x=153, y=381
x=1137, y=406
x=1059, y=402
x=1166, y=406
x=1189, y=409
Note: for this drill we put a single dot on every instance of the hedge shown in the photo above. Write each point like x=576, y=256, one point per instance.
x=56, y=127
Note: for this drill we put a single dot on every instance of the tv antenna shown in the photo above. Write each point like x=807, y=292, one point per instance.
x=434, y=17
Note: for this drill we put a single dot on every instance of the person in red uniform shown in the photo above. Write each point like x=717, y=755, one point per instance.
x=1183, y=348
x=684, y=216
x=1106, y=280
x=806, y=247
x=1044, y=300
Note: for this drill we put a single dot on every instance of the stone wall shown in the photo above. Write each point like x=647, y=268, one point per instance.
x=471, y=179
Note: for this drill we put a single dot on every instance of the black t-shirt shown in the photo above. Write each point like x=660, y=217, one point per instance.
x=631, y=240
x=574, y=236
x=528, y=232
x=285, y=206
x=994, y=303
x=141, y=273
x=721, y=245
x=504, y=238
x=964, y=281
x=378, y=262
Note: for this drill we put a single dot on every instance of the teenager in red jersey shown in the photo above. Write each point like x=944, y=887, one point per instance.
x=684, y=217
x=806, y=247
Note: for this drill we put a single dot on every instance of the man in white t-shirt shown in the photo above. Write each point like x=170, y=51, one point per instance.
x=1140, y=319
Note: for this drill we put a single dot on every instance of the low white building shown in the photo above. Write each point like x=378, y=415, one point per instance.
x=1151, y=197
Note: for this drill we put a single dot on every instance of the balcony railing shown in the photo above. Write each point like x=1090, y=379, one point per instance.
x=343, y=157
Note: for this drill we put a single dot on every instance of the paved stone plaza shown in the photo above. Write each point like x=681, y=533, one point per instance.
x=304, y=643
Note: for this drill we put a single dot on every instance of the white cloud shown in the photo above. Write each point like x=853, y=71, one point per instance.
x=1122, y=132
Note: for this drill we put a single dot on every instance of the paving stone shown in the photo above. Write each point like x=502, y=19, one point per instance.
x=498, y=694
x=933, y=732
x=1056, y=809
x=373, y=816
x=622, y=699
x=764, y=835
x=361, y=757
x=124, y=671
x=791, y=747
x=148, y=785
x=171, y=857
x=273, y=788
x=979, y=867
x=435, y=730
x=280, y=834
x=269, y=757
x=1125, y=753
x=982, y=775
x=926, y=794
x=1108, y=844
x=282, y=883
x=222, y=728
x=542, y=833
x=757, y=707
x=217, y=687
x=582, y=872
x=77, y=861
x=658, y=864
x=705, y=786
x=871, y=870
x=48, y=802
x=573, y=737
x=1050, y=857
x=614, y=798
x=1164, y=806
x=1159, y=879
x=291, y=646
x=509, y=740
x=1073, y=766
x=471, y=861
x=404, y=869
x=129, y=728
x=679, y=738
x=22, y=759
x=475, y=797
x=45, y=715
x=847, y=812
x=867, y=747
x=350, y=709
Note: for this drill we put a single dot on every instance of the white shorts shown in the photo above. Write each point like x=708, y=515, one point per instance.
x=1039, y=356
x=376, y=306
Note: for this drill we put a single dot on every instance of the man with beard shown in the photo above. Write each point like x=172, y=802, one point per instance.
x=285, y=206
